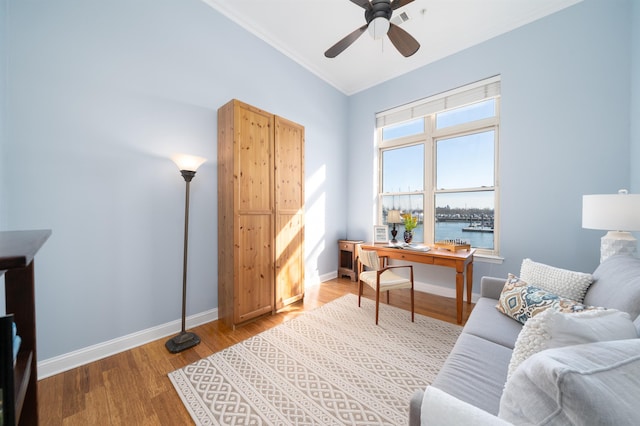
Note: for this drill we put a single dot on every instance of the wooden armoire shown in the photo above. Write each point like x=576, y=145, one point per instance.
x=260, y=212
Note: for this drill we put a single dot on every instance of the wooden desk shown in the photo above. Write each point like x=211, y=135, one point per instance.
x=460, y=261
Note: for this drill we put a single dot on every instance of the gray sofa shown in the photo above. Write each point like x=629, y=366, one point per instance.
x=475, y=372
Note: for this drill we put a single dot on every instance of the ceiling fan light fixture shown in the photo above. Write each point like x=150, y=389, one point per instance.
x=377, y=14
x=378, y=27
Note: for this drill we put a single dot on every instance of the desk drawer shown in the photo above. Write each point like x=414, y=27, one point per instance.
x=411, y=257
x=451, y=263
x=346, y=246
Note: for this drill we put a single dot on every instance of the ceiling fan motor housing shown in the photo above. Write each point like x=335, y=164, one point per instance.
x=379, y=9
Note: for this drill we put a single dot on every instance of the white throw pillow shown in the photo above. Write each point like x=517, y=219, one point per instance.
x=567, y=284
x=554, y=329
x=591, y=384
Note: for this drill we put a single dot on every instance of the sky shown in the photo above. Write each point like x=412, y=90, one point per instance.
x=462, y=162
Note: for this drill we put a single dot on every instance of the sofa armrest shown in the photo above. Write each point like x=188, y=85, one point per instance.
x=491, y=287
x=415, y=406
x=441, y=409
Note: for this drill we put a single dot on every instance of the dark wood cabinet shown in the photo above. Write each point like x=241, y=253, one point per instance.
x=19, y=382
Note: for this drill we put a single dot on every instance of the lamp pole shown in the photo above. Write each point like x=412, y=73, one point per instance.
x=185, y=340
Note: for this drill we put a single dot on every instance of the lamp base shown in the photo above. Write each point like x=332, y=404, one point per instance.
x=182, y=341
x=617, y=242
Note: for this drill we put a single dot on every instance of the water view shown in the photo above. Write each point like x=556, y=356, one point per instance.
x=451, y=231
x=454, y=230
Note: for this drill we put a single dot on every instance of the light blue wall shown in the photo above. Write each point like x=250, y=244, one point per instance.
x=634, y=158
x=3, y=88
x=101, y=93
x=3, y=102
x=564, y=130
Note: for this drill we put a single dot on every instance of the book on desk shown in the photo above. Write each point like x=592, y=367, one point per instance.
x=405, y=246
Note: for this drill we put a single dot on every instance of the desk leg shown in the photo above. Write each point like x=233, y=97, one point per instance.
x=469, y=281
x=459, y=291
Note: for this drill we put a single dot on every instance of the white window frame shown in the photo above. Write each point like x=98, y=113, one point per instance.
x=429, y=107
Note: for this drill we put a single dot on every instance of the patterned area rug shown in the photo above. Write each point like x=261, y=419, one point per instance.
x=329, y=366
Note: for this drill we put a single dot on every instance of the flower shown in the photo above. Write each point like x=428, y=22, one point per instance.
x=410, y=222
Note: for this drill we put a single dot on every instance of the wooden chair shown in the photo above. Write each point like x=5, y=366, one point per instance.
x=380, y=277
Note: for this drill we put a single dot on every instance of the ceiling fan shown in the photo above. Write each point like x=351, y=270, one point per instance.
x=378, y=13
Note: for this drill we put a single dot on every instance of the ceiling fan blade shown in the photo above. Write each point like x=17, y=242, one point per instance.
x=365, y=4
x=397, y=4
x=337, y=48
x=403, y=41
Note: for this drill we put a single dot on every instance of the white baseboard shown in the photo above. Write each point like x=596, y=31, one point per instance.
x=65, y=362
x=419, y=286
x=326, y=277
x=441, y=291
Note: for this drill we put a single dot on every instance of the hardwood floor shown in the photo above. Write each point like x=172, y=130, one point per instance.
x=132, y=388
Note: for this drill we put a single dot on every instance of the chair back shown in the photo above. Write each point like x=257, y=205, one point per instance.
x=369, y=258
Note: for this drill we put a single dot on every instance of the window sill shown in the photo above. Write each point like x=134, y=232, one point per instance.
x=488, y=258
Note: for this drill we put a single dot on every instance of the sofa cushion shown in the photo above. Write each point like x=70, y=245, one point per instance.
x=553, y=329
x=617, y=285
x=503, y=329
x=521, y=301
x=441, y=409
x=475, y=372
x=563, y=282
x=595, y=383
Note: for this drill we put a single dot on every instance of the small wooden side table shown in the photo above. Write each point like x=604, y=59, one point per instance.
x=347, y=265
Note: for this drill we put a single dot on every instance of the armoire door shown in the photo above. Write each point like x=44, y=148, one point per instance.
x=254, y=224
x=289, y=212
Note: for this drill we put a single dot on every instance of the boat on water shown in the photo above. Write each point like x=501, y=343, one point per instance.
x=477, y=227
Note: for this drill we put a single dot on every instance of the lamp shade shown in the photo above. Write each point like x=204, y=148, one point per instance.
x=188, y=162
x=611, y=212
x=379, y=27
x=394, y=216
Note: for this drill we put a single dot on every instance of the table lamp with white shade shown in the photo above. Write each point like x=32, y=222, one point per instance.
x=394, y=218
x=616, y=213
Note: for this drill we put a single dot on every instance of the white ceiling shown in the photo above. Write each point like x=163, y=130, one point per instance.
x=304, y=29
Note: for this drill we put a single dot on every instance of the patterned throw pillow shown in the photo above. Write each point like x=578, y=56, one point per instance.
x=521, y=301
x=567, y=284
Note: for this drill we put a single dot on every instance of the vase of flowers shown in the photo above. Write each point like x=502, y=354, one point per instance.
x=410, y=223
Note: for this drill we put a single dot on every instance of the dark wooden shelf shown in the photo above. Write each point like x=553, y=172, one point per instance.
x=22, y=375
x=18, y=248
x=17, y=251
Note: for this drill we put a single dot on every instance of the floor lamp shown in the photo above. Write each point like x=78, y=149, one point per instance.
x=188, y=164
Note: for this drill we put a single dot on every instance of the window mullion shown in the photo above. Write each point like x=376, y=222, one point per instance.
x=466, y=128
x=429, y=180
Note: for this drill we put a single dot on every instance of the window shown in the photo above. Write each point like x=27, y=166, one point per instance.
x=437, y=161
x=402, y=179
x=413, y=127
